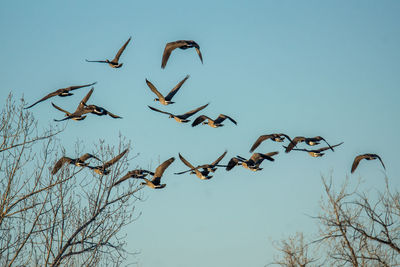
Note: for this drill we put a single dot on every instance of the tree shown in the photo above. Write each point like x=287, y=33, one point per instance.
x=356, y=229
x=72, y=218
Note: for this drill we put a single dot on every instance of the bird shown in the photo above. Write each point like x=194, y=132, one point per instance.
x=139, y=174
x=358, y=158
x=103, y=169
x=113, y=63
x=181, y=118
x=253, y=163
x=182, y=44
x=206, y=168
x=311, y=141
x=80, y=110
x=61, y=92
x=167, y=99
x=80, y=162
x=277, y=137
x=213, y=123
x=315, y=152
x=155, y=182
x=99, y=111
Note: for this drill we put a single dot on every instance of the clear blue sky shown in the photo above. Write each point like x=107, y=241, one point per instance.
x=328, y=68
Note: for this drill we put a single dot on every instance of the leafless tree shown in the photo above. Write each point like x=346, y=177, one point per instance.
x=72, y=218
x=356, y=228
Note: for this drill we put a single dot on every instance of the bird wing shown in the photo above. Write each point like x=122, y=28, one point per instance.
x=169, y=47
x=232, y=163
x=44, y=98
x=258, y=157
x=192, y=112
x=356, y=162
x=60, y=109
x=199, y=53
x=98, y=61
x=114, y=160
x=154, y=89
x=219, y=159
x=74, y=87
x=160, y=169
x=113, y=115
x=259, y=140
x=81, y=107
x=176, y=88
x=178, y=173
x=199, y=120
x=88, y=156
x=187, y=163
x=59, y=164
x=117, y=56
x=294, y=142
x=380, y=160
x=297, y=149
x=328, y=147
x=222, y=117
x=160, y=111
x=270, y=154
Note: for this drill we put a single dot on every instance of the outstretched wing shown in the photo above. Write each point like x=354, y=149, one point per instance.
x=113, y=115
x=328, y=147
x=219, y=159
x=199, y=120
x=98, y=61
x=160, y=169
x=199, y=53
x=44, y=98
x=88, y=156
x=187, y=163
x=294, y=142
x=232, y=163
x=356, y=162
x=60, y=109
x=154, y=89
x=176, y=88
x=114, y=160
x=118, y=55
x=259, y=140
x=160, y=111
x=81, y=107
x=59, y=164
x=192, y=112
x=74, y=87
x=380, y=160
x=223, y=117
x=169, y=47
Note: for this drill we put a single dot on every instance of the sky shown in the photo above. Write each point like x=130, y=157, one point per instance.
x=328, y=68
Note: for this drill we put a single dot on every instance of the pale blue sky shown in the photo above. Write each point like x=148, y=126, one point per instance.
x=328, y=68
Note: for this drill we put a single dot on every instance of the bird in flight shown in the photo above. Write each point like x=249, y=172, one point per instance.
x=139, y=174
x=80, y=162
x=367, y=157
x=315, y=152
x=61, y=92
x=182, y=44
x=113, y=63
x=99, y=111
x=181, y=118
x=213, y=123
x=311, y=141
x=103, y=169
x=155, y=182
x=277, y=137
x=253, y=163
x=167, y=99
x=80, y=110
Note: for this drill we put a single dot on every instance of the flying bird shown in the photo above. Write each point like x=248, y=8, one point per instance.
x=167, y=99
x=277, y=137
x=253, y=163
x=181, y=118
x=155, y=183
x=61, y=92
x=311, y=141
x=213, y=123
x=99, y=111
x=315, y=152
x=113, y=63
x=80, y=162
x=182, y=44
x=139, y=174
x=103, y=169
x=80, y=110
x=367, y=157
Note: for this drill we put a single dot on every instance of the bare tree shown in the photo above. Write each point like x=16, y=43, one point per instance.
x=72, y=218
x=356, y=228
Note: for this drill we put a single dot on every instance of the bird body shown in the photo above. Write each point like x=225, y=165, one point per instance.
x=115, y=62
x=80, y=110
x=80, y=162
x=103, y=169
x=138, y=174
x=213, y=123
x=315, y=152
x=253, y=163
x=276, y=137
x=167, y=99
x=367, y=156
x=155, y=182
x=181, y=118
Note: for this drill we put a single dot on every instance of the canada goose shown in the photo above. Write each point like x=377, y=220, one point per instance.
x=315, y=152
x=213, y=123
x=277, y=137
x=167, y=99
x=155, y=183
x=311, y=141
x=181, y=118
x=80, y=162
x=139, y=174
x=182, y=44
x=207, y=168
x=113, y=63
x=200, y=174
x=367, y=157
x=80, y=110
x=99, y=111
x=102, y=169
x=253, y=163
x=61, y=92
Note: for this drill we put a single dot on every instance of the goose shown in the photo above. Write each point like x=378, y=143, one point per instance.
x=80, y=162
x=277, y=137
x=167, y=99
x=80, y=110
x=182, y=44
x=315, y=152
x=368, y=156
x=181, y=118
x=155, y=183
x=61, y=92
x=253, y=163
x=213, y=123
x=206, y=168
x=113, y=63
x=139, y=174
x=99, y=111
x=200, y=174
x=311, y=141
x=102, y=169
